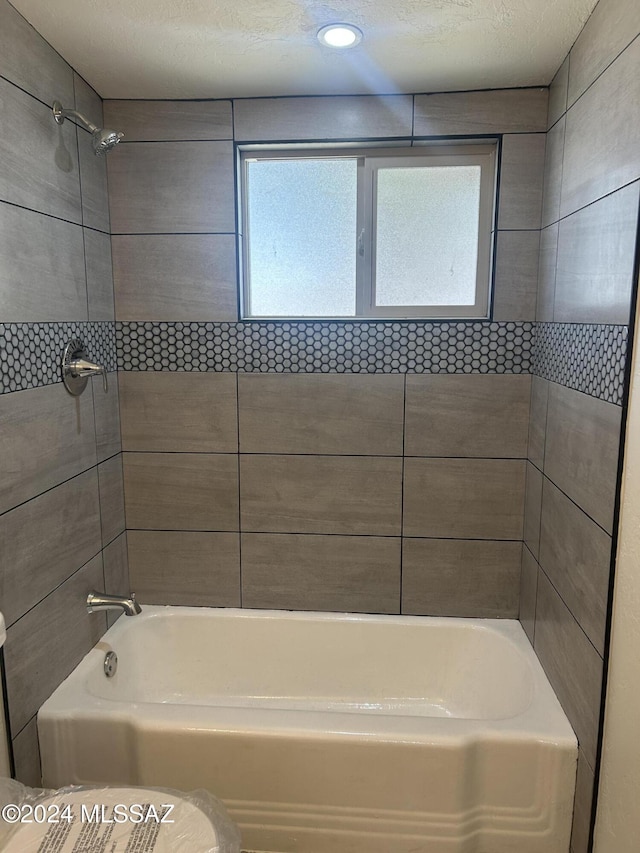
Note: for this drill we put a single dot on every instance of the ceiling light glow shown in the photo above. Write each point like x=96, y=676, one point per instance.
x=339, y=36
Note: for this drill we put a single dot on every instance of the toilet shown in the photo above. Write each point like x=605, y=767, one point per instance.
x=116, y=819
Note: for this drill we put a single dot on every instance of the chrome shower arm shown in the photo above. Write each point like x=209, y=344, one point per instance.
x=60, y=114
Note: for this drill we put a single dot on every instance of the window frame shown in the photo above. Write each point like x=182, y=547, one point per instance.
x=370, y=159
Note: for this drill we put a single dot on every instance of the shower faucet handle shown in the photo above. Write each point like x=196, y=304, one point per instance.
x=76, y=369
x=82, y=367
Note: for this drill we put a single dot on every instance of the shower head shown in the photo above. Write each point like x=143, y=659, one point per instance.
x=102, y=140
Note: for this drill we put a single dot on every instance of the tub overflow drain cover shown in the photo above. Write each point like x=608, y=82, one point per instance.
x=110, y=664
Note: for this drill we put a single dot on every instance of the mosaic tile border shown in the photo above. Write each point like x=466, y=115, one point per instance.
x=587, y=358
x=30, y=353
x=394, y=347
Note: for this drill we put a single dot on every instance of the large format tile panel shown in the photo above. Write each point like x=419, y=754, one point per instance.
x=350, y=117
x=497, y=111
x=97, y=250
x=93, y=170
x=478, y=415
x=153, y=121
x=306, y=572
x=602, y=155
x=321, y=494
x=47, y=539
x=46, y=437
x=172, y=187
x=581, y=456
x=181, y=491
x=522, y=169
x=175, y=277
x=558, y=93
x=185, y=567
x=571, y=663
x=38, y=158
x=516, y=276
x=111, y=484
x=464, y=498
x=49, y=641
x=30, y=62
x=457, y=577
x=351, y=415
x=611, y=27
x=26, y=755
x=576, y=555
x=187, y=412
x=34, y=250
x=596, y=248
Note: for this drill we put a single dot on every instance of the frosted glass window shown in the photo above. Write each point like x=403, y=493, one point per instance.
x=426, y=240
x=371, y=233
x=301, y=217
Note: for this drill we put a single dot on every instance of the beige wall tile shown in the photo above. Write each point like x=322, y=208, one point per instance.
x=449, y=577
x=38, y=158
x=111, y=498
x=181, y=491
x=572, y=665
x=516, y=279
x=97, y=248
x=116, y=572
x=321, y=494
x=107, y=414
x=153, y=121
x=158, y=187
x=313, y=413
x=601, y=143
x=464, y=498
x=596, y=251
x=576, y=554
x=581, y=458
x=522, y=170
x=357, y=117
x=547, y=273
x=193, y=569
x=496, y=111
x=553, y=173
x=179, y=411
x=532, y=509
x=528, y=593
x=26, y=754
x=538, y=420
x=467, y=415
x=358, y=574
x=42, y=275
x=558, y=93
x=175, y=277
x=46, y=436
x=47, y=539
x=612, y=26
x=30, y=62
x=582, y=806
x=49, y=641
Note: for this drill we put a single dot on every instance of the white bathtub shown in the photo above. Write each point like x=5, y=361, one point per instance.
x=325, y=732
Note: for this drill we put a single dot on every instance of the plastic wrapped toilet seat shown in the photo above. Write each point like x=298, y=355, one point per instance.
x=120, y=820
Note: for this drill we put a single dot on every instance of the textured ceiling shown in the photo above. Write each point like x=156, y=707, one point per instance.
x=239, y=48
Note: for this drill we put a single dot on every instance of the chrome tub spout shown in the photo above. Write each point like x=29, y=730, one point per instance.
x=102, y=601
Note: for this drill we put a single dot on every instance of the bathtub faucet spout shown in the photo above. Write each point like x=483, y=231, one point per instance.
x=102, y=601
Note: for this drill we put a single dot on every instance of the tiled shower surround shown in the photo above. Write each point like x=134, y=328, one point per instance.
x=61, y=498
x=461, y=468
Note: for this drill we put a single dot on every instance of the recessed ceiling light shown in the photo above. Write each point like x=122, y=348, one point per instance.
x=339, y=35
